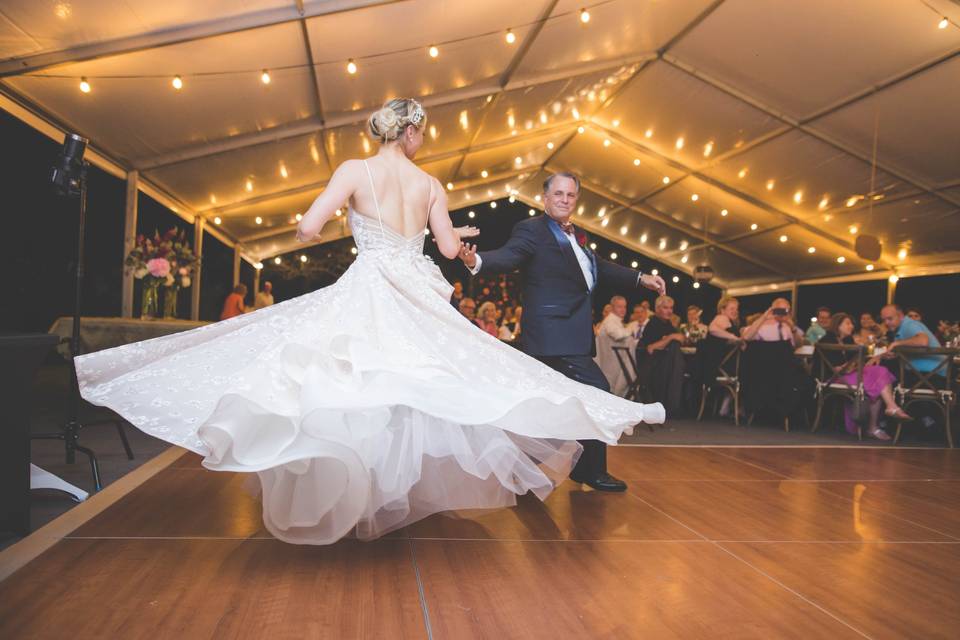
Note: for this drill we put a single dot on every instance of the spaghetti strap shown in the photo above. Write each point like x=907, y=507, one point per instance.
x=373, y=190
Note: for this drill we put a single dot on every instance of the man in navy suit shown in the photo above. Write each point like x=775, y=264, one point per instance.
x=559, y=274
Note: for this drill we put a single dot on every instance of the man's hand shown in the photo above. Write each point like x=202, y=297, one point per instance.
x=654, y=283
x=466, y=232
x=468, y=254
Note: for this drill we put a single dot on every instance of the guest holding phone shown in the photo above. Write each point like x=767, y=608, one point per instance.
x=775, y=325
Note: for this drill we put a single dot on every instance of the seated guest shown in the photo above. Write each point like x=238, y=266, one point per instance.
x=877, y=380
x=233, y=305
x=509, y=326
x=774, y=325
x=869, y=331
x=908, y=332
x=457, y=295
x=487, y=318
x=603, y=316
x=947, y=331
x=722, y=334
x=468, y=308
x=613, y=333
x=693, y=329
x=914, y=314
x=818, y=328
x=726, y=324
x=638, y=319
x=659, y=351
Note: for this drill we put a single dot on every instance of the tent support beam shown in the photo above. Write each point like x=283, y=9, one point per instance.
x=129, y=240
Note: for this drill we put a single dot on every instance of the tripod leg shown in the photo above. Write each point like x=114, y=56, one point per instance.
x=94, y=466
x=123, y=438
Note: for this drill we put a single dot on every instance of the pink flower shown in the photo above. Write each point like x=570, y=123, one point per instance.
x=158, y=267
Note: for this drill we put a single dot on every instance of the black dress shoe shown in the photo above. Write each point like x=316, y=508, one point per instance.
x=603, y=482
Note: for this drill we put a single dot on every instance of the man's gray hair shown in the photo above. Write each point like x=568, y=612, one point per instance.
x=562, y=174
x=617, y=299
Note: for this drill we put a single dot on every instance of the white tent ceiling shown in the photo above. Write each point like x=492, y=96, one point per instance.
x=711, y=129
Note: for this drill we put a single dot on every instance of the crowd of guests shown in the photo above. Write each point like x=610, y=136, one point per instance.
x=673, y=358
x=494, y=308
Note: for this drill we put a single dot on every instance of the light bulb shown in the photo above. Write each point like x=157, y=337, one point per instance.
x=616, y=123
x=655, y=272
x=433, y=51
x=783, y=238
x=605, y=222
x=824, y=203
x=902, y=254
x=624, y=229
x=580, y=129
x=753, y=227
x=84, y=85
x=853, y=230
x=694, y=197
x=303, y=258
x=798, y=197
x=493, y=205
x=217, y=220
x=299, y=217
x=841, y=259
x=484, y=174
x=643, y=239
x=518, y=160
x=684, y=259
x=532, y=212
x=449, y=186
x=811, y=250
x=943, y=24
x=258, y=220
x=696, y=285
x=283, y=171
x=770, y=185
x=893, y=279
x=724, y=213
x=852, y=201
x=666, y=179
x=613, y=255
x=249, y=185
x=636, y=162
x=353, y=250
x=351, y=66
x=584, y=16
x=607, y=142
x=277, y=260
x=265, y=77
x=593, y=246
x=869, y=267
x=634, y=264
x=258, y=266
x=471, y=214
x=707, y=149
x=177, y=83
x=676, y=279
x=550, y=145
x=742, y=174
x=511, y=37
x=648, y=133
x=679, y=143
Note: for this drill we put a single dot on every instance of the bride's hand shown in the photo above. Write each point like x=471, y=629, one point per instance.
x=466, y=232
x=468, y=253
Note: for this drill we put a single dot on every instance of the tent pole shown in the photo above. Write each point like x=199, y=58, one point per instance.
x=129, y=240
x=198, y=224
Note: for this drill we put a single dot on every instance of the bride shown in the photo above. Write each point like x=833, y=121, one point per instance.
x=371, y=403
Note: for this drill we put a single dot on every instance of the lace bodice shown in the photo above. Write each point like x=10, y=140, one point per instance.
x=372, y=238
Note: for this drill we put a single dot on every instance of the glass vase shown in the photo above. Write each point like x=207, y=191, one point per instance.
x=170, y=296
x=148, y=303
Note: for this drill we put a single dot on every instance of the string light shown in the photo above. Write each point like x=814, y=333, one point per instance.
x=684, y=259
x=944, y=23
x=852, y=201
x=824, y=203
x=742, y=174
x=605, y=222
x=299, y=217
x=249, y=185
x=811, y=250
x=655, y=272
x=593, y=246
x=258, y=220
x=449, y=186
x=798, y=197
x=351, y=67
x=550, y=145
x=724, y=213
x=580, y=129
x=177, y=83
x=584, y=16
x=708, y=149
x=783, y=238
x=634, y=264
x=853, y=230
x=841, y=260
x=676, y=279
x=84, y=85
x=902, y=254
x=511, y=37
x=893, y=279
x=484, y=173
x=265, y=77
x=283, y=171
x=770, y=185
x=471, y=214
x=616, y=123
x=648, y=133
x=613, y=255
x=636, y=162
x=433, y=51
x=518, y=160
x=753, y=227
x=303, y=258
x=869, y=267
x=493, y=205
x=695, y=197
x=277, y=260
x=679, y=143
x=353, y=250
x=696, y=285
x=532, y=212
x=607, y=142
x=643, y=239
x=217, y=220
x=666, y=179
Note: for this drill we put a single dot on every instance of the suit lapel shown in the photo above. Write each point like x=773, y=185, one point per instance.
x=561, y=239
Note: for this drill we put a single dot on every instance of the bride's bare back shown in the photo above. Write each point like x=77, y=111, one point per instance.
x=409, y=198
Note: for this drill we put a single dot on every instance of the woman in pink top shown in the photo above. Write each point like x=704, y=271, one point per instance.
x=487, y=319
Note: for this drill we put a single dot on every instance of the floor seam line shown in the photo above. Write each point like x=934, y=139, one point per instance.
x=424, y=609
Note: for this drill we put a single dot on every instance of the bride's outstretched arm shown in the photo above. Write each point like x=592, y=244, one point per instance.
x=338, y=190
x=447, y=238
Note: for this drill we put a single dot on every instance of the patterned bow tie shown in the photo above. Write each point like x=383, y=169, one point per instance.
x=566, y=227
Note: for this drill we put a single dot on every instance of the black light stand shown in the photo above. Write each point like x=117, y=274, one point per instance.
x=69, y=178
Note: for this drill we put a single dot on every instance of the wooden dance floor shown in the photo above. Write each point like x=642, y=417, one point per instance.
x=707, y=543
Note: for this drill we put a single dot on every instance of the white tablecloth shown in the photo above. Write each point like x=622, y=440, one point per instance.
x=97, y=334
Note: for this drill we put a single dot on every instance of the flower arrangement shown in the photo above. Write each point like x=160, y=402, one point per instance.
x=161, y=260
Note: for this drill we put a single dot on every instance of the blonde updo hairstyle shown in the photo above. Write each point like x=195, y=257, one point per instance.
x=389, y=122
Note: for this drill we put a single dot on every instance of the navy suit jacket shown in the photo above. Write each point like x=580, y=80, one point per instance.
x=557, y=305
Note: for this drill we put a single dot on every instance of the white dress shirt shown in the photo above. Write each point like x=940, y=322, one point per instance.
x=582, y=258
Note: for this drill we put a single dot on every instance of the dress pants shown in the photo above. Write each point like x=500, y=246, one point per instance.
x=593, y=460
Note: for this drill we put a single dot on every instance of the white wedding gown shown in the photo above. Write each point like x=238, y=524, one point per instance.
x=363, y=406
